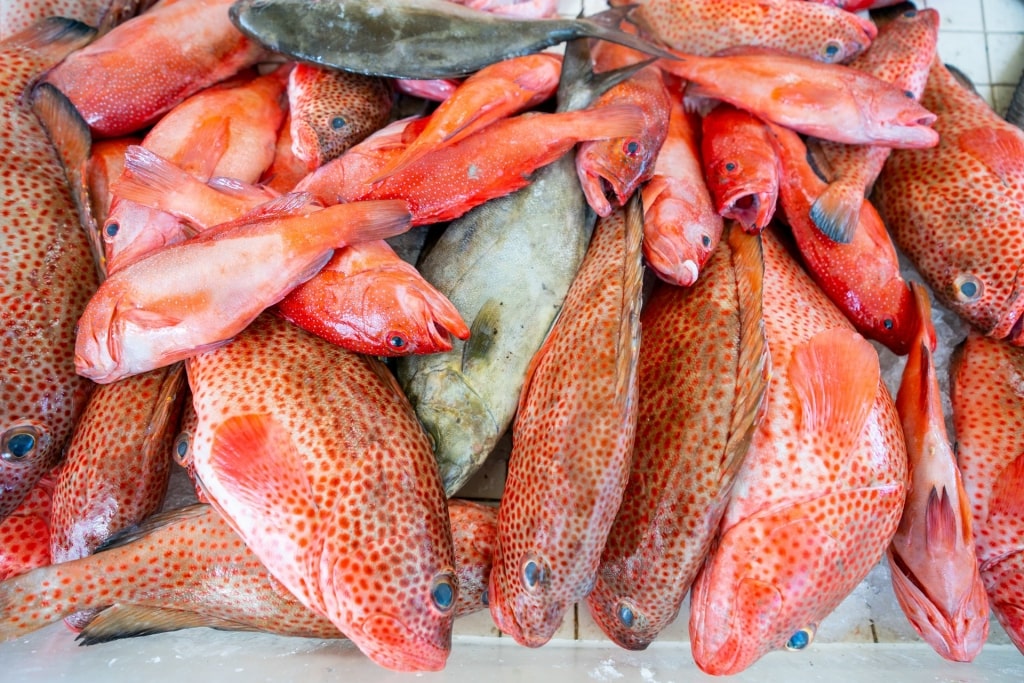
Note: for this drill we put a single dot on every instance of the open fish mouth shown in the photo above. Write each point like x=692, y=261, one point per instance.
x=751, y=209
x=602, y=188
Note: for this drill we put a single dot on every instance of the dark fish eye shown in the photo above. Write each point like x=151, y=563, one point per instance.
x=534, y=574
x=111, y=229
x=730, y=166
x=910, y=13
x=832, y=49
x=181, y=445
x=909, y=93
x=967, y=288
x=337, y=123
x=631, y=147
x=626, y=615
x=442, y=593
x=887, y=323
x=396, y=342
x=485, y=598
x=19, y=443
x=705, y=240
x=801, y=639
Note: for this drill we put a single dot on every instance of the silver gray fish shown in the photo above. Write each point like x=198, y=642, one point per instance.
x=418, y=39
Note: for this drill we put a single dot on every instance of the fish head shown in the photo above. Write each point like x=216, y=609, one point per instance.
x=28, y=450
x=908, y=122
x=743, y=191
x=525, y=599
x=631, y=620
x=614, y=168
x=134, y=230
x=681, y=230
x=847, y=39
x=886, y=314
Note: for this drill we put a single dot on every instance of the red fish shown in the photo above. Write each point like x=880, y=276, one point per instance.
x=332, y=110
x=902, y=55
x=829, y=101
x=494, y=92
x=861, y=278
x=129, y=77
x=47, y=270
x=681, y=226
x=493, y=162
x=196, y=295
x=701, y=388
x=741, y=166
x=572, y=439
x=188, y=568
x=317, y=460
x=932, y=560
x=820, y=492
x=704, y=27
x=25, y=533
x=617, y=166
x=985, y=388
x=957, y=211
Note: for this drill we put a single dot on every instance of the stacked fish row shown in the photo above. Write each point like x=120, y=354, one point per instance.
x=756, y=456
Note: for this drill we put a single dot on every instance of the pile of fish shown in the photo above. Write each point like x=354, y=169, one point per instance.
x=201, y=262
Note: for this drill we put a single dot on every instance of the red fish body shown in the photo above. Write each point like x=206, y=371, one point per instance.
x=681, y=226
x=957, y=211
x=25, y=533
x=46, y=268
x=829, y=101
x=902, y=55
x=741, y=166
x=704, y=27
x=932, y=559
x=986, y=376
x=700, y=391
x=571, y=440
x=317, y=460
x=196, y=295
x=129, y=77
x=332, y=110
x=861, y=278
x=820, y=492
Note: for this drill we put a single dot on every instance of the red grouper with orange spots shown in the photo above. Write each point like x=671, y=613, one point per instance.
x=572, y=439
x=702, y=389
x=820, y=493
x=986, y=380
x=46, y=267
x=317, y=460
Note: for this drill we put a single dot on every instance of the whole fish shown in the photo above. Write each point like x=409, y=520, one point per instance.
x=317, y=461
x=820, y=492
x=506, y=266
x=931, y=557
x=741, y=166
x=616, y=167
x=25, y=533
x=218, y=583
x=957, y=211
x=572, y=439
x=986, y=376
x=194, y=296
x=130, y=76
x=332, y=110
x=117, y=467
x=45, y=263
x=829, y=101
x=681, y=227
x=704, y=27
x=861, y=278
x=699, y=400
x=494, y=92
x=902, y=55
x=411, y=39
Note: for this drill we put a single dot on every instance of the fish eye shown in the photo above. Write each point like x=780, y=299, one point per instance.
x=111, y=229
x=631, y=148
x=338, y=122
x=485, y=598
x=705, y=240
x=801, y=639
x=832, y=49
x=730, y=166
x=19, y=443
x=533, y=574
x=442, y=593
x=396, y=341
x=910, y=94
x=910, y=13
x=181, y=447
x=888, y=323
x=967, y=289
x=627, y=614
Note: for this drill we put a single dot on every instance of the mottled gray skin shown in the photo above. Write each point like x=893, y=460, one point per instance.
x=417, y=39
x=506, y=266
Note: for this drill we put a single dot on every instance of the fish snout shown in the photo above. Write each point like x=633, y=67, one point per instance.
x=391, y=643
x=729, y=632
x=621, y=619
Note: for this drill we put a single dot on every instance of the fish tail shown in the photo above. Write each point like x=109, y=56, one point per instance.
x=367, y=221
x=33, y=600
x=612, y=121
x=836, y=212
x=605, y=27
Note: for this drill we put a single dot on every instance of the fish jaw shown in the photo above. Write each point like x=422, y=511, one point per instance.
x=606, y=604
x=390, y=635
x=605, y=170
x=752, y=206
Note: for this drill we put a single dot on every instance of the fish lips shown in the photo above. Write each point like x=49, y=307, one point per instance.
x=751, y=206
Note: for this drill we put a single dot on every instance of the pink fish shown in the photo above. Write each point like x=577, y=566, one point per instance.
x=820, y=492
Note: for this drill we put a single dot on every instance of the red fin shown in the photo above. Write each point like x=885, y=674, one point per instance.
x=836, y=211
x=207, y=145
x=835, y=376
x=940, y=525
x=1001, y=150
x=149, y=177
x=612, y=121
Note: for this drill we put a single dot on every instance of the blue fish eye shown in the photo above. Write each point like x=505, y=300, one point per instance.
x=831, y=50
x=801, y=639
x=485, y=599
x=910, y=13
x=705, y=240
x=337, y=123
x=730, y=166
x=626, y=616
x=443, y=593
x=909, y=93
x=112, y=229
x=20, y=444
x=396, y=342
x=531, y=574
x=887, y=323
x=967, y=288
x=181, y=446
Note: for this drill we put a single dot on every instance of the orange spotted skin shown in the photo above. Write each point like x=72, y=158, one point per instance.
x=332, y=110
x=701, y=387
x=18, y=15
x=46, y=268
x=142, y=68
x=188, y=568
x=821, y=489
x=117, y=466
x=571, y=440
x=320, y=464
x=986, y=376
x=25, y=533
x=861, y=278
x=957, y=210
x=704, y=27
